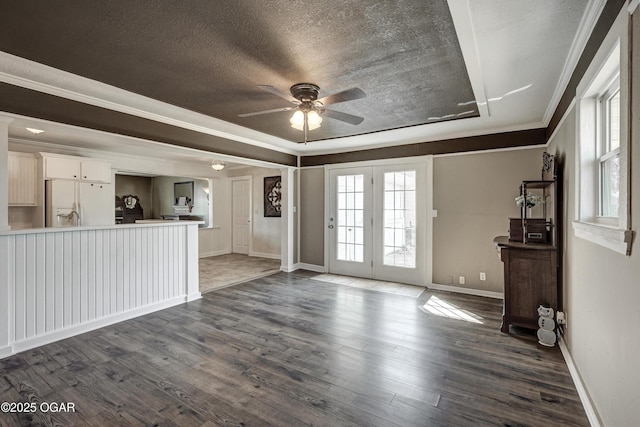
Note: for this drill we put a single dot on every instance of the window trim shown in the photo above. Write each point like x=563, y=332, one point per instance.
x=612, y=233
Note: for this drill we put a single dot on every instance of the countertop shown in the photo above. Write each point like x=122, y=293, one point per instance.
x=503, y=241
x=145, y=223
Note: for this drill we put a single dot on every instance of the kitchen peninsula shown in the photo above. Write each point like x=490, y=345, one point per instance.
x=66, y=281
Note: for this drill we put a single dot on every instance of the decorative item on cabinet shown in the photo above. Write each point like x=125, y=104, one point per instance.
x=128, y=209
x=532, y=273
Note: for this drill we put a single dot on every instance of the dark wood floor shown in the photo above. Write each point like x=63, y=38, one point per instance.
x=286, y=350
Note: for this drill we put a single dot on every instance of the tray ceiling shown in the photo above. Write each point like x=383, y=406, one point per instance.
x=419, y=63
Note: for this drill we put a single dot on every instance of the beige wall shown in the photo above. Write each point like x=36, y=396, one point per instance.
x=602, y=290
x=266, y=239
x=602, y=297
x=163, y=199
x=312, y=216
x=474, y=195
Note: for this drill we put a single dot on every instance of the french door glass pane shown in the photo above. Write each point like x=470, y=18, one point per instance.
x=400, y=219
x=350, y=222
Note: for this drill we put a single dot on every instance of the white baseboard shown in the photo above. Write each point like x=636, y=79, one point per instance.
x=264, y=255
x=468, y=291
x=6, y=352
x=194, y=296
x=214, y=253
x=310, y=267
x=74, y=330
x=591, y=412
x=289, y=269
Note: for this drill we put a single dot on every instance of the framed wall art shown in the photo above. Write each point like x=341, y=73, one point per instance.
x=272, y=196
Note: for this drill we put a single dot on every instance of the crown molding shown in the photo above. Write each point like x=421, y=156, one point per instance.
x=465, y=30
x=43, y=78
x=586, y=27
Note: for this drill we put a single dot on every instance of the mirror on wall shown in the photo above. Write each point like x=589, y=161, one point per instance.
x=183, y=192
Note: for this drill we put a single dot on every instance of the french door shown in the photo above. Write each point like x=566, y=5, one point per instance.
x=377, y=222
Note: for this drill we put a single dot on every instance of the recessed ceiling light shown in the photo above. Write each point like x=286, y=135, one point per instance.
x=35, y=131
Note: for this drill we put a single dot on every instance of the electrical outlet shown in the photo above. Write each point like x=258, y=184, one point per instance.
x=483, y=276
x=562, y=318
x=461, y=280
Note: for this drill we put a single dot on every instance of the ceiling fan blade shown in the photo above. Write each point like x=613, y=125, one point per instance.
x=258, y=113
x=344, y=117
x=279, y=93
x=345, y=95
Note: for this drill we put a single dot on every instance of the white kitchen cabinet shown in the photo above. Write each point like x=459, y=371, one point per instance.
x=77, y=169
x=22, y=179
x=61, y=168
x=95, y=171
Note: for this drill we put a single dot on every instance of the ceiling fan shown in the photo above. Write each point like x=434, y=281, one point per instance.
x=308, y=109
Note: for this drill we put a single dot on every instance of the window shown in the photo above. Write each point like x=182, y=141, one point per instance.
x=602, y=146
x=609, y=155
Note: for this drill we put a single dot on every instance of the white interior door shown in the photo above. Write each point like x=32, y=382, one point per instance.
x=378, y=224
x=241, y=214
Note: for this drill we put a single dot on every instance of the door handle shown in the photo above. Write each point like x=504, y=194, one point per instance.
x=330, y=226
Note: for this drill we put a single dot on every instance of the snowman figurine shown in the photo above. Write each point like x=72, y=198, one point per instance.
x=547, y=326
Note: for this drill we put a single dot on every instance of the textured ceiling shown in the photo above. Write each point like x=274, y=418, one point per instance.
x=209, y=57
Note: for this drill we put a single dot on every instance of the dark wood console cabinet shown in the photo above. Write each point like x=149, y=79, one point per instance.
x=531, y=252
x=530, y=280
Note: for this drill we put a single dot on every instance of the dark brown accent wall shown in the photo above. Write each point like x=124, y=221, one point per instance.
x=456, y=145
x=607, y=17
x=30, y=103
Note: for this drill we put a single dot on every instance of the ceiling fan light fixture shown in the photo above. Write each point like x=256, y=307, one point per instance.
x=312, y=117
x=313, y=120
x=297, y=120
x=217, y=165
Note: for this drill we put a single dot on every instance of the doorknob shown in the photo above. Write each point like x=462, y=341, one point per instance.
x=331, y=226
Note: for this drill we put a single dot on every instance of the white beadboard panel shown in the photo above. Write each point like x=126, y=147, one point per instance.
x=22, y=179
x=20, y=283
x=7, y=275
x=78, y=279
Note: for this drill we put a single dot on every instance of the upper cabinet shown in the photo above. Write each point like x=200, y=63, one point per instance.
x=61, y=168
x=76, y=168
x=95, y=171
x=22, y=179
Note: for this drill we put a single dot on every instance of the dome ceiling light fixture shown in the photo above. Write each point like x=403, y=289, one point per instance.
x=217, y=165
x=308, y=108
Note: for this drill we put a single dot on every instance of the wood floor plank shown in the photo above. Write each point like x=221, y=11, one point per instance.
x=288, y=350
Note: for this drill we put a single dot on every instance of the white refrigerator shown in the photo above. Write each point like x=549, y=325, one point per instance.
x=71, y=203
